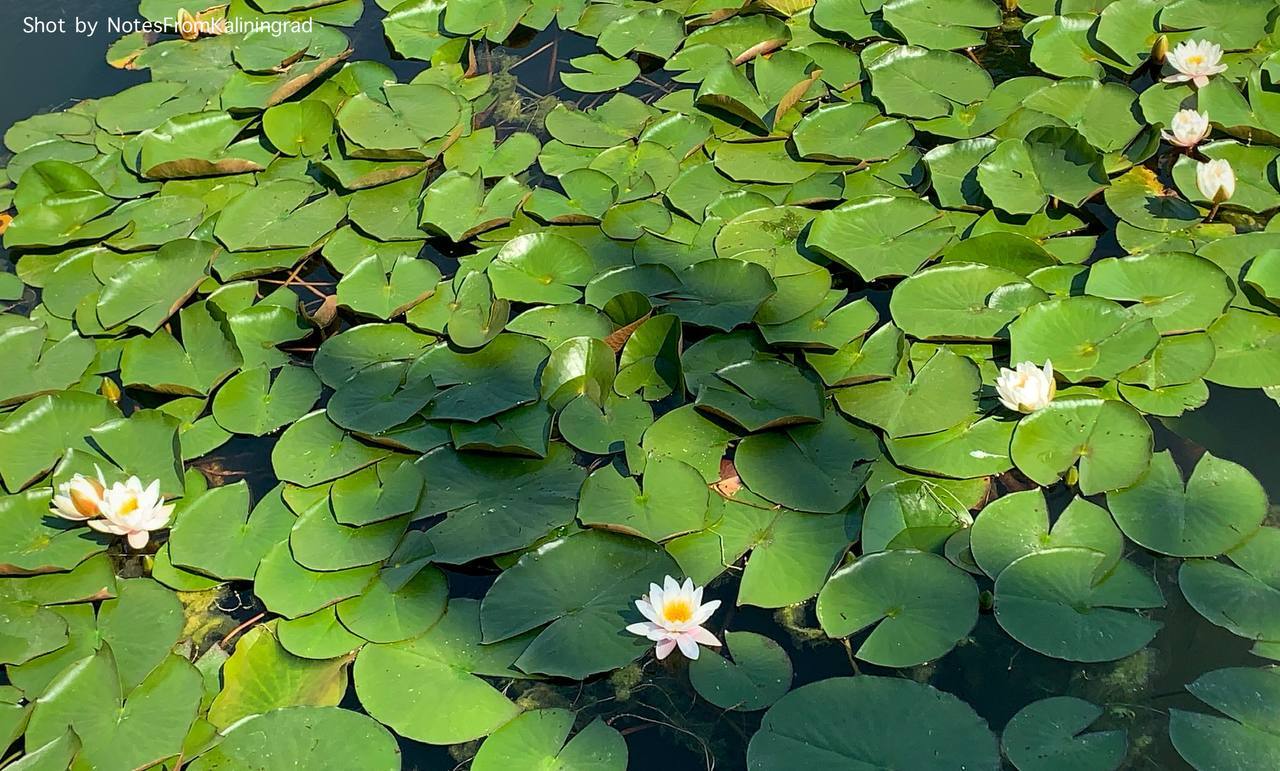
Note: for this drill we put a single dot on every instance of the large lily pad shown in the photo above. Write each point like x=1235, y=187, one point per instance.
x=868, y=721
x=919, y=604
x=575, y=591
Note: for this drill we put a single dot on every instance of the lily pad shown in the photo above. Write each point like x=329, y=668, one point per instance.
x=1110, y=440
x=541, y=738
x=919, y=603
x=860, y=721
x=575, y=591
x=1051, y=733
x=1221, y=506
x=758, y=675
x=1053, y=602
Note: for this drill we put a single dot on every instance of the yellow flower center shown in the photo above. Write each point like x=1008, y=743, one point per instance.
x=128, y=505
x=677, y=611
x=1195, y=59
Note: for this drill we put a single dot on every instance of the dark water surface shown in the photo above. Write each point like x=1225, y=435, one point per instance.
x=667, y=726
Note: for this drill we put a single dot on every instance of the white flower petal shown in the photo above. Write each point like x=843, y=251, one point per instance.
x=688, y=646
x=646, y=610
x=640, y=628
x=704, y=612
x=664, y=648
x=703, y=636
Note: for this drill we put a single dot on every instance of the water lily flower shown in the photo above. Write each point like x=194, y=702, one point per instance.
x=1216, y=180
x=1195, y=61
x=1189, y=128
x=133, y=511
x=80, y=498
x=675, y=616
x=1026, y=388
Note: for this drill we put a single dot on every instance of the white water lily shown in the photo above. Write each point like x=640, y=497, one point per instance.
x=80, y=498
x=1187, y=129
x=133, y=511
x=1216, y=180
x=1195, y=61
x=1026, y=388
x=675, y=616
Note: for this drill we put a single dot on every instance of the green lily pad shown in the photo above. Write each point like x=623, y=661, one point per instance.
x=673, y=502
x=1017, y=524
x=1241, y=694
x=1110, y=440
x=1243, y=598
x=919, y=603
x=576, y=593
x=119, y=729
x=1052, y=602
x=1021, y=174
x=922, y=83
x=496, y=504
x=320, y=738
x=538, y=738
x=760, y=394
x=260, y=676
x=314, y=450
x=808, y=468
x=450, y=659
x=912, y=514
x=541, y=268
x=257, y=401
x=1178, y=292
x=1050, y=734
x=956, y=300
x=942, y=394
x=871, y=720
x=1221, y=506
x=1244, y=354
x=599, y=73
x=881, y=236
x=758, y=675
x=1085, y=337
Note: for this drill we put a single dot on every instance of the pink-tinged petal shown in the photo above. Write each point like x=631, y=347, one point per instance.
x=138, y=539
x=1201, y=81
x=703, y=613
x=688, y=646
x=664, y=648
x=703, y=636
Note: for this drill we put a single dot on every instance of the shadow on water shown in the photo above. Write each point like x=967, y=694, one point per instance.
x=666, y=724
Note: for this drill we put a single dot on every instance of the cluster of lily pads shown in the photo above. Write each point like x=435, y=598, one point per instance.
x=861, y=309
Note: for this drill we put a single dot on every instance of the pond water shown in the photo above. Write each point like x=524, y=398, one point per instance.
x=667, y=726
